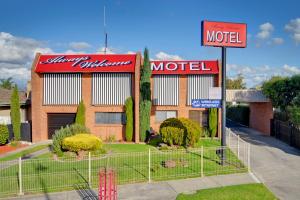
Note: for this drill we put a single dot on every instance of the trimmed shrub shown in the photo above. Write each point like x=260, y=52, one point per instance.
x=3, y=134
x=82, y=142
x=129, y=119
x=191, y=131
x=213, y=121
x=15, y=113
x=62, y=133
x=80, y=115
x=172, y=135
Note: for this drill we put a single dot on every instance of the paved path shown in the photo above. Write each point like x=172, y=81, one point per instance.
x=166, y=190
x=275, y=163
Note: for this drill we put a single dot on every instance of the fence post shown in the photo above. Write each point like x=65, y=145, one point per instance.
x=20, y=177
x=149, y=166
x=201, y=161
x=249, y=167
x=90, y=173
x=229, y=139
x=238, y=147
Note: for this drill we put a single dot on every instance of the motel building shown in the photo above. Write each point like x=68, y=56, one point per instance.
x=104, y=82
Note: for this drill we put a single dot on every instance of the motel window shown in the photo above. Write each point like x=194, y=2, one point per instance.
x=161, y=116
x=110, y=118
x=62, y=89
x=201, y=117
x=110, y=88
x=165, y=90
x=198, y=86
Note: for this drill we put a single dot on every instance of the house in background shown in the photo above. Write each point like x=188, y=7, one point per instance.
x=5, y=95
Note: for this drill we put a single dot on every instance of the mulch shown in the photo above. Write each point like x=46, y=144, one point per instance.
x=7, y=148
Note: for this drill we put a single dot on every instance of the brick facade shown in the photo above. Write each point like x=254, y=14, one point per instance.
x=260, y=115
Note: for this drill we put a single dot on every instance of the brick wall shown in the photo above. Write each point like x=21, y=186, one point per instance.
x=260, y=115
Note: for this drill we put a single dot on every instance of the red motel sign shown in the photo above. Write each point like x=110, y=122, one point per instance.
x=185, y=67
x=224, y=34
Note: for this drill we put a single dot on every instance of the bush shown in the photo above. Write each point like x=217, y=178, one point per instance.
x=239, y=113
x=129, y=119
x=3, y=134
x=82, y=142
x=80, y=115
x=15, y=113
x=213, y=121
x=172, y=135
x=191, y=131
x=62, y=133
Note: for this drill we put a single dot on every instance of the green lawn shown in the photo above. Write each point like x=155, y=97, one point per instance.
x=24, y=153
x=236, y=192
x=131, y=162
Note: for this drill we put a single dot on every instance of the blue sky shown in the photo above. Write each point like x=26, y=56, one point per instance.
x=171, y=29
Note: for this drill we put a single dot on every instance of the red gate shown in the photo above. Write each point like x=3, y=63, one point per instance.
x=107, y=185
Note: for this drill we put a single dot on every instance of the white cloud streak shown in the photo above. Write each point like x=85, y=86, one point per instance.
x=294, y=28
x=266, y=30
x=165, y=56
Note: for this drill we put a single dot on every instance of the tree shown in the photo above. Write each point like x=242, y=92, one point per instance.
x=80, y=115
x=237, y=83
x=6, y=83
x=145, y=96
x=213, y=121
x=15, y=113
x=282, y=90
x=129, y=119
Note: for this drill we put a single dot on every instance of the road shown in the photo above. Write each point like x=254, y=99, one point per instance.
x=275, y=163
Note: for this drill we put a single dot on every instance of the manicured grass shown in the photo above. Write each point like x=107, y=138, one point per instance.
x=130, y=161
x=208, y=142
x=24, y=153
x=236, y=192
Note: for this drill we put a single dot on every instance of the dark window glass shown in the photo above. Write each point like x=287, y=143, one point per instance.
x=199, y=116
x=110, y=118
x=161, y=116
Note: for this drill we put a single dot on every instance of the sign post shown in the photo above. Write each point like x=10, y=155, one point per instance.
x=224, y=34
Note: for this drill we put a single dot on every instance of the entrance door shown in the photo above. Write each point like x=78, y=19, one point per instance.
x=58, y=120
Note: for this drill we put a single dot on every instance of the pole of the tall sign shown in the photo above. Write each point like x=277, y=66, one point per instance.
x=223, y=129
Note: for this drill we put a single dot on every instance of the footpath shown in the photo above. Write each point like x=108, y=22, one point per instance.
x=167, y=190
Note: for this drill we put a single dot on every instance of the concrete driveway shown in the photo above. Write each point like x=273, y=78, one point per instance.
x=275, y=163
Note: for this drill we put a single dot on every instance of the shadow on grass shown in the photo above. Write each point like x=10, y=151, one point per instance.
x=84, y=190
x=39, y=168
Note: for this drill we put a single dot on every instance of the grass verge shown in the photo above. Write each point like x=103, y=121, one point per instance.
x=236, y=192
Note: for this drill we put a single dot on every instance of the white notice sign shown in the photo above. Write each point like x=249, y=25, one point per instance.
x=215, y=93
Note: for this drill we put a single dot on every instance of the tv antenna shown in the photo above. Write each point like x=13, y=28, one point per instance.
x=105, y=32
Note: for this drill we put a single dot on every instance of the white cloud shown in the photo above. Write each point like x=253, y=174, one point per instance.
x=164, y=56
x=294, y=28
x=277, y=40
x=16, y=56
x=79, y=45
x=291, y=69
x=108, y=50
x=265, y=31
x=70, y=51
x=256, y=75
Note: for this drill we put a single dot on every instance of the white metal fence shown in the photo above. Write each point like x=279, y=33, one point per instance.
x=47, y=175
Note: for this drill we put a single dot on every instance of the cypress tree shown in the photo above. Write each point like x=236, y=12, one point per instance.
x=80, y=115
x=213, y=121
x=145, y=96
x=129, y=119
x=15, y=113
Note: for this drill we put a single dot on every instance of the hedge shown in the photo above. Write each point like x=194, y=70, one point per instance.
x=4, y=134
x=190, y=130
x=129, y=119
x=239, y=113
x=81, y=142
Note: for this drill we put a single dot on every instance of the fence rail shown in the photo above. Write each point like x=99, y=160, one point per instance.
x=46, y=175
x=285, y=132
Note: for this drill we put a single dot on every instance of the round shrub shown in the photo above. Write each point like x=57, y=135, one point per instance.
x=3, y=134
x=64, y=132
x=172, y=135
x=82, y=142
x=187, y=132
